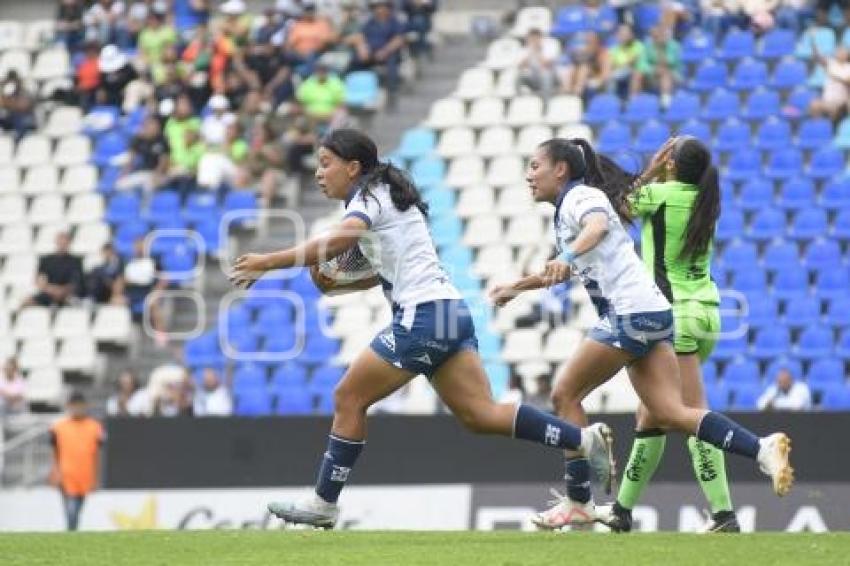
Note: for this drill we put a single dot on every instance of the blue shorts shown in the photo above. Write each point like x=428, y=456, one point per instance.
x=635, y=333
x=423, y=336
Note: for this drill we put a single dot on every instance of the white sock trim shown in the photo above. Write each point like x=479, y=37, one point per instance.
x=346, y=441
x=513, y=426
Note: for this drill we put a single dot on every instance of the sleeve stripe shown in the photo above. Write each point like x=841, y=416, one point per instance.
x=592, y=210
x=361, y=215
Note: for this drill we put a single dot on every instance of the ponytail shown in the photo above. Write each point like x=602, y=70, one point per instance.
x=603, y=173
x=704, y=215
x=403, y=191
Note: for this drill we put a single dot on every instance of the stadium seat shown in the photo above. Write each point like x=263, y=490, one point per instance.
x=697, y=129
x=777, y=43
x=530, y=138
x=505, y=170
x=842, y=135
x=809, y=224
x=710, y=75
x=741, y=372
x=752, y=281
x=483, y=231
x=781, y=254
x=761, y=104
x=13, y=209
x=771, y=343
x=732, y=135
x=602, y=108
x=721, y=105
x=790, y=283
x=796, y=194
x=474, y=201
x=730, y=347
x=564, y=109
x=802, y=311
x=108, y=147
x=446, y=113
x=836, y=399
x=842, y=347
x=525, y=111
x=495, y=141
x=32, y=150
x=503, y=53
x=474, y=83
x=748, y=74
x=293, y=401
x=651, y=136
x=203, y=351
x=756, y=194
x=44, y=385
x=833, y=283
x=416, y=142
x=200, y=207
x=248, y=376
x=489, y=111
x=289, y=375
x=800, y=99
x=838, y=312
x=823, y=254
x=534, y=17
x=428, y=171
x=465, y=171
x=522, y=345
x=788, y=74
x=762, y=311
x=362, y=90
x=717, y=395
x=745, y=396
x=783, y=164
x=814, y=133
x=253, y=403
x=456, y=142
x=823, y=37
x=743, y=165
x=841, y=225
x=71, y=322
x=767, y=224
x=697, y=46
x=683, y=106
x=52, y=63
x=814, y=342
x=826, y=162
x=84, y=208
x=825, y=371
x=773, y=134
x=31, y=322
x=37, y=353
x=736, y=44
x=641, y=107
x=730, y=225
x=836, y=194
x=325, y=379
x=124, y=207
x=72, y=150
x=614, y=137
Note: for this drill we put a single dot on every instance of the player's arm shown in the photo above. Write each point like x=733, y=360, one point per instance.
x=594, y=227
x=323, y=247
x=503, y=294
x=330, y=286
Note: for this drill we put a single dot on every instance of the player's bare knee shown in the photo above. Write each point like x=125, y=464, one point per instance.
x=348, y=401
x=476, y=418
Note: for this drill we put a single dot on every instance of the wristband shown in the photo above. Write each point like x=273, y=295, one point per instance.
x=568, y=256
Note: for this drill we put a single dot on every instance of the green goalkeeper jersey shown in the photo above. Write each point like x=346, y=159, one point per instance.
x=664, y=209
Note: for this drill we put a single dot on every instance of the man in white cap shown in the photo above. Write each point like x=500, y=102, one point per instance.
x=116, y=73
x=214, y=126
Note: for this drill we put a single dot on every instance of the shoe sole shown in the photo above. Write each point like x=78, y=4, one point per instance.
x=319, y=524
x=784, y=478
x=543, y=526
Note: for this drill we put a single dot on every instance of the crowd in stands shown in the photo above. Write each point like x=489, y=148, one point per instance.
x=210, y=397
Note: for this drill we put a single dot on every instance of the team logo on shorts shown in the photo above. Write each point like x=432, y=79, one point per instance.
x=424, y=358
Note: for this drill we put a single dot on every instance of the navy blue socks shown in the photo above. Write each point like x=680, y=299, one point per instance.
x=729, y=436
x=336, y=466
x=577, y=476
x=535, y=425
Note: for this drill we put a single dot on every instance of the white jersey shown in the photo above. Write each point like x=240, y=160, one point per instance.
x=400, y=249
x=613, y=265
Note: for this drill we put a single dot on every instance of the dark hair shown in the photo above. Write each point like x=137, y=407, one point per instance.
x=353, y=145
x=597, y=170
x=693, y=166
x=77, y=397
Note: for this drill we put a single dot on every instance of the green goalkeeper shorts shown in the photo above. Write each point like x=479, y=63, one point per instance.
x=697, y=328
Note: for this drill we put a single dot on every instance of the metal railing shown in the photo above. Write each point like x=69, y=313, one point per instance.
x=25, y=458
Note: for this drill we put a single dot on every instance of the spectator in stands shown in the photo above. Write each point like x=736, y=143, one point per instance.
x=419, y=15
x=103, y=281
x=383, y=36
x=660, y=65
x=322, y=96
x=262, y=55
x=207, y=55
x=103, y=21
x=130, y=399
x=76, y=439
x=786, y=394
x=182, y=134
x=138, y=281
x=626, y=54
x=189, y=14
x=717, y=16
x=148, y=159
x=175, y=400
x=300, y=141
x=264, y=162
x=588, y=67
x=213, y=398
x=308, y=37
x=236, y=24
x=17, y=106
x=836, y=85
x=69, y=23
x=156, y=38
x=116, y=72
x=219, y=166
x=823, y=8
x=60, y=276
x=253, y=110
x=542, y=397
x=87, y=75
x=537, y=64
x=215, y=125
x=12, y=389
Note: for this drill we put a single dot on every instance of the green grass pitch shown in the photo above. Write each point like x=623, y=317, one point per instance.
x=249, y=548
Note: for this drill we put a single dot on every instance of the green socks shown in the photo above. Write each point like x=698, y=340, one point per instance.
x=710, y=469
x=647, y=450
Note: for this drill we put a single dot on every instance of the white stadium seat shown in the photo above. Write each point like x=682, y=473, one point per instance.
x=482, y=231
x=525, y=111
x=489, y=111
x=530, y=137
x=506, y=84
x=492, y=260
x=351, y=319
x=71, y=322
x=32, y=322
x=456, y=142
x=37, y=353
x=563, y=110
x=561, y=343
x=7, y=149
x=17, y=60
x=44, y=385
x=576, y=131
x=531, y=370
x=15, y=239
x=446, y=113
x=514, y=201
x=7, y=348
x=89, y=238
x=79, y=179
x=11, y=35
x=495, y=141
x=38, y=34
x=527, y=19
x=85, y=208
x=475, y=83
x=33, y=149
x=46, y=209
x=505, y=170
x=40, y=179
x=64, y=121
x=45, y=239
x=78, y=355
x=13, y=209
x=465, y=171
x=51, y=64
x=475, y=201
x=19, y=270
x=503, y=53
x=522, y=345
x=352, y=347
x=112, y=324
x=71, y=150
x=10, y=179
x=526, y=229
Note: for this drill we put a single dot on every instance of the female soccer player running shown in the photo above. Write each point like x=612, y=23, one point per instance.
x=431, y=333
x=679, y=213
x=635, y=327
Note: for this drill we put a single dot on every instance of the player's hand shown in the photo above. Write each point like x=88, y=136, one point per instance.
x=659, y=160
x=248, y=268
x=322, y=281
x=556, y=271
x=502, y=294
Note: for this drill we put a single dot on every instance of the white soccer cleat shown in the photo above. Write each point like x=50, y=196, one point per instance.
x=565, y=512
x=312, y=511
x=774, y=460
x=599, y=451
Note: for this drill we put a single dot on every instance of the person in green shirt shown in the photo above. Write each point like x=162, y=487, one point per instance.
x=660, y=65
x=321, y=95
x=181, y=131
x=625, y=56
x=155, y=38
x=678, y=201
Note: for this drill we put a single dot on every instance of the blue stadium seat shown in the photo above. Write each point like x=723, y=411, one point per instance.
x=797, y=193
x=282, y=343
x=416, y=143
x=817, y=78
x=842, y=347
x=767, y=224
x=697, y=46
x=773, y=134
x=440, y=202
x=761, y=104
x=721, y=105
x=325, y=378
x=126, y=235
x=697, y=129
x=428, y=171
x=835, y=398
x=272, y=319
x=809, y=224
x=646, y=17
x=615, y=136
x=832, y=283
x=302, y=284
x=203, y=351
x=162, y=206
x=741, y=371
x=743, y=165
x=745, y=396
x=762, y=311
x=841, y=225
x=790, y=283
x=789, y=74
x=248, y=376
x=602, y=108
x=756, y=194
x=771, y=343
x=200, y=206
x=777, y=43
x=178, y=264
x=814, y=133
x=630, y=161
x=730, y=347
x=319, y=348
x=737, y=44
x=651, y=136
x=732, y=135
x=730, y=225
x=641, y=107
x=245, y=202
x=740, y=255
x=235, y=321
x=209, y=231
x=362, y=89
x=752, y=281
x=717, y=395
x=780, y=255
x=823, y=254
x=604, y=20
x=710, y=75
x=570, y=20
x=784, y=163
x=683, y=106
x=814, y=342
x=802, y=311
x=748, y=75
x=838, y=312
x=824, y=371
x=109, y=146
x=842, y=135
x=446, y=230
x=289, y=374
x=709, y=371
x=727, y=193
x=826, y=162
x=823, y=37
x=836, y=194
x=108, y=178
x=783, y=362
x=122, y=208
x=293, y=401
x=253, y=403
